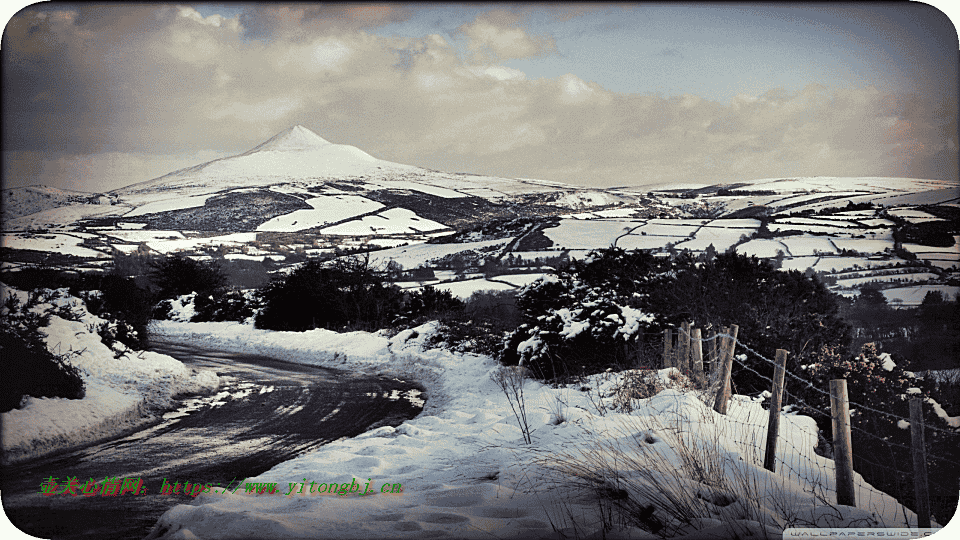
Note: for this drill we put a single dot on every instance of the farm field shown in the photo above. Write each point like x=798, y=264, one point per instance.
x=326, y=209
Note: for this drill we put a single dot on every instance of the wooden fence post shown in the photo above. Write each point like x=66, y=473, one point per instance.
x=776, y=402
x=842, y=448
x=667, y=342
x=726, y=367
x=712, y=349
x=697, y=351
x=920, y=486
x=683, y=360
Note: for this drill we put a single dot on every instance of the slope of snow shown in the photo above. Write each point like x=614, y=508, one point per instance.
x=418, y=254
x=576, y=233
x=326, y=209
x=393, y=221
x=63, y=217
x=166, y=205
x=120, y=392
x=23, y=201
x=293, y=138
x=465, y=288
x=181, y=244
x=913, y=296
x=465, y=471
x=294, y=154
x=68, y=244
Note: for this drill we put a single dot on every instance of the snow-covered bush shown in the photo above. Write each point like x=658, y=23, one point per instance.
x=595, y=332
x=480, y=324
x=29, y=368
x=231, y=305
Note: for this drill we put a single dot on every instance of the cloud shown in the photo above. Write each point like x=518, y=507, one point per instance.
x=300, y=21
x=496, y=36
x=97, y=96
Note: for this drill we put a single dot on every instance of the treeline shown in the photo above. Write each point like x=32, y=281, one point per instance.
x=929, y=334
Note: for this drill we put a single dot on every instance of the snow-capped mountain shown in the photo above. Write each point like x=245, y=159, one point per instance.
x=293, y=154
x=297, y=181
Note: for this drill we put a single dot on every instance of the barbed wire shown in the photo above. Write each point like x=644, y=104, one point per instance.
x=793, y=457
x=793, y=461
x=814, y=409
x=809, y=385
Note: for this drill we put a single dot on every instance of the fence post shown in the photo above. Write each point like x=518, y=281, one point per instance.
x=683, y=361
x=776, y=402
x=726, y=367
x=697, y=351
x=712, y=350
x=667, y=342
x=920, y=486
x=842, y=448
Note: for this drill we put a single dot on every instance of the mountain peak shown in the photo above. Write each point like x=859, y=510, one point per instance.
x=293, y=138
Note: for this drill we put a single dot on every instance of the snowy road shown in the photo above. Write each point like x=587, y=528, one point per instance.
x=267, y=411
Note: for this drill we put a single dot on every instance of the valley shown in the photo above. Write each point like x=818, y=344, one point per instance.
x=298, y=197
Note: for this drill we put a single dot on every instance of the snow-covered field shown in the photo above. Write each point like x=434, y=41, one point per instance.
x=181, y=244
x=393, y=221
x=466, y=471
x=120, y=390
x=807, y=244
x=326, y=209
x=175, y=203
x=418, y=254
x=762, y=247
x=891, y=278
x=913, y=296
x=575, y=233
x=463, y=289
x=68, y=244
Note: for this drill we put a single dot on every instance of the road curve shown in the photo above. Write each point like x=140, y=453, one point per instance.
x=267, y=411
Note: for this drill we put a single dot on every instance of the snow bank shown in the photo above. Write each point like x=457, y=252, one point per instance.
x=465, y=471
x=124, y=388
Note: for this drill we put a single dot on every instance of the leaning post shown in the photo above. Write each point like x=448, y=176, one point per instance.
x=726, y=368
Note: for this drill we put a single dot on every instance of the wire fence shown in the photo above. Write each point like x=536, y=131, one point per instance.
x=882, y=449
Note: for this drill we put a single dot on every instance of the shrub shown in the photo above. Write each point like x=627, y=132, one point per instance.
x=109, y=296
x=481, y=324
x=175, y=276
x=430, y=302
x=773, y=309
x=115, y=297
x=29, y=367
x=230, y=306
x=881, y=445
x=348, y=293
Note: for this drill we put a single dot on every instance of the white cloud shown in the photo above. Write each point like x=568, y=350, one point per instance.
x=496, y=36
x=137, y=80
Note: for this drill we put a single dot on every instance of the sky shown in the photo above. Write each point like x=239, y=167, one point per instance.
x=99, y=97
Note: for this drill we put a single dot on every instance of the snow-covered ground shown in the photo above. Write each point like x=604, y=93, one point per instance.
x=68, y=244
x=122, y=386
x=326, y=209
x=466, y=471
x=393, y=221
